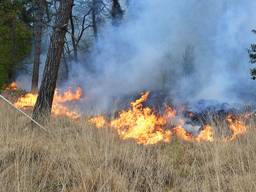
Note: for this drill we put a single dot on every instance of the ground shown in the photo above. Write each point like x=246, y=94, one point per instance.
x=75, y=156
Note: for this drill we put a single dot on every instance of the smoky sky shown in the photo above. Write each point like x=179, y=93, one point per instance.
x=146, y=52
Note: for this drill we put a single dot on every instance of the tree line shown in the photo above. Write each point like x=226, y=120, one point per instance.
x=22, y=25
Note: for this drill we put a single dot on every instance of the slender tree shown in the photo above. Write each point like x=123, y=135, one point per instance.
x=252, y=55
x=116, y=12
x=39, y=7
x=44, y=101
x=94, y=18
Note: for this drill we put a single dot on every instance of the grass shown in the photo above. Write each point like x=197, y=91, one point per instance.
x=77, y=157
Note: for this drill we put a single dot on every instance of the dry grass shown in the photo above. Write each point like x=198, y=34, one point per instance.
x=79, y=158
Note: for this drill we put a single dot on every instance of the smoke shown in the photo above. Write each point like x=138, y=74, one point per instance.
x=146, y=52
x=191, y=50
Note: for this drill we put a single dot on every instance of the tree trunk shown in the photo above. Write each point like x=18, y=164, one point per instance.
x=117, y=12
x=43, y=106
x=38, y=27
x=13, y=50
x=94, y=18
x=73, y=38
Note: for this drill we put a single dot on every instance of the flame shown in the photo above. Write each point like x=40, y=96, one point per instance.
x=26, y=101
x=58, y=107
x=12, y=86
x=206, y=134
x=98, y=121
x=236, y=125
x=137, y=123
x=67, y=95
x=183, y=134
x=145, y=127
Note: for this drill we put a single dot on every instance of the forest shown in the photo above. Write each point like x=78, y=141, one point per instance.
x=127, y=95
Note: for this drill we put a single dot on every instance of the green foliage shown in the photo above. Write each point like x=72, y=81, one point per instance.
x=15, y=36
x=252, y=55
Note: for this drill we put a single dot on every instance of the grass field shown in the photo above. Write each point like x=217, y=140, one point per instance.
x=77, y=157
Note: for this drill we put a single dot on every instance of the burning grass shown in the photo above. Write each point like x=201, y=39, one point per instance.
x=148, y=127
x=59, y=108
x=78, y=157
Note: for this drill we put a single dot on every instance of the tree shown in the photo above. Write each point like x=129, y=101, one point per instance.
x=116, y=12
x=77, y=36
x=15, y=36
x=39, y=7
x=44, y=101
x=188, y=61
x=94, y=18
x=252, y=55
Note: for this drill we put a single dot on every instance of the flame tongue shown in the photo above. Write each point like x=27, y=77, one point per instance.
x=58, y=108
x=206, y=134
x=145, y=127
x=141, y=124
x=12, y=86
x=27, y=100
x=236, y=125
x=67, y=95
x=137, y=123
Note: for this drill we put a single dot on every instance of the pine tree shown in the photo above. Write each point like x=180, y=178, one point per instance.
x=252, y=55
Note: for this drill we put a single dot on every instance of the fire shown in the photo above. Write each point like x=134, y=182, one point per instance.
x=68, y=95
x=26, y=101
x=206, y=134
x=99, y=121
x=183, y=134
x=137, y=123
x=145, y=127
x=236, y=125
x=58, y=108
x=12, y=86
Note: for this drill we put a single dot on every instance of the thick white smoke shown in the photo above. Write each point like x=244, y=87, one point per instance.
x=150, y=42
x=146, y=52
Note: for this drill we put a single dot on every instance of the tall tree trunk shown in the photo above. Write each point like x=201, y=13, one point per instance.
x=94, y=18
x=116, y=12
x=38, y=27
x=14, y=49
x=73, y=38
x=43, y=106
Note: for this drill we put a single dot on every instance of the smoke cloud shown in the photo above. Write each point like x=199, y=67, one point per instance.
x=191, y=50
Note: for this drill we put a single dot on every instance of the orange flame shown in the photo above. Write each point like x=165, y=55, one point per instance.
x=12, y=86
x=236, y=125
x=58, y=108
x=98, y=121
x=137, y=123
x=26, y=101
x=68, y=95
x=145, y=127
x=205, y=135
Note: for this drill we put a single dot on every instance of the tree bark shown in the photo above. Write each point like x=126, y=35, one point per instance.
x=94, y=18
x=13, y=50
x=43, y=106
x=73, y=38
x=38, y=27
x=117, y=12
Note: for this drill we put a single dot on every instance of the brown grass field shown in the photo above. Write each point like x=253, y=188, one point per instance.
x=76, y=157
